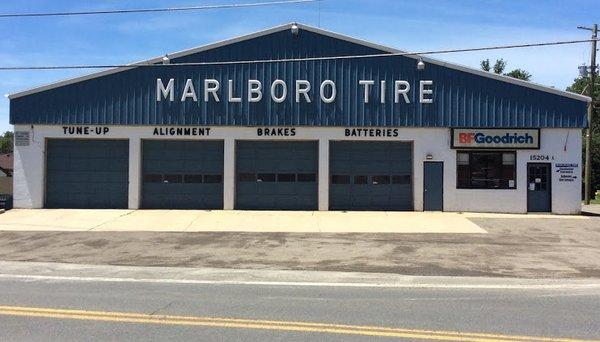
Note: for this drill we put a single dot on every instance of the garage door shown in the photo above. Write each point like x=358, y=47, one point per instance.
x=87, y=173
x=370, y=176
x=182, y=174
x=276, y=175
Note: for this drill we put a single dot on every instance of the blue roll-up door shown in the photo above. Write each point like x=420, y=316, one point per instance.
x=87, y=173
x=276, y=175
x=182, y=174
x=370, y=175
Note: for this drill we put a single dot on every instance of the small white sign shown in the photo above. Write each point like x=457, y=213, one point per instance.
x=21, y=138
x=567, y=171
x=532, y=186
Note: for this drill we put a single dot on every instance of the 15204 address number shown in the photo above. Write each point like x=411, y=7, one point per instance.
x=540, y=157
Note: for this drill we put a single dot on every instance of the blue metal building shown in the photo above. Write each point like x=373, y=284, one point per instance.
x=283, y=85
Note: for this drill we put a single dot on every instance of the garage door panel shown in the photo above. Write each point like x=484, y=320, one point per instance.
x=276, y=175
x=370, y=175
x=285, y=165
x=154, y=166
x=57, y=163
x=87, y=173
x=182, y=174
x=267, y=189
x=195, y=165
x=381, y=201
x=403, y=200
x=122, y=165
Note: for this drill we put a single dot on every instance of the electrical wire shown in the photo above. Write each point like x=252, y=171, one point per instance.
x=151, y=10
x=306, y=59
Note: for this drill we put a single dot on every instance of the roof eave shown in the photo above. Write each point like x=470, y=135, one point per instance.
x=148, y=61
x=454, y=66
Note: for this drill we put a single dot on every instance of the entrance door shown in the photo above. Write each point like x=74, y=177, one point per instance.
x=433, y=186
x=539, y=183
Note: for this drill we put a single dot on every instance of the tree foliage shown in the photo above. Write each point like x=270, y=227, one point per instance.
x=581, y=86
x=6, y=142
x=500, y=66
x=520, y=74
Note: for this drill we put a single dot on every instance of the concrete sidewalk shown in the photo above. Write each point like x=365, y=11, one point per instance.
x=249, y=221
x=590, y=209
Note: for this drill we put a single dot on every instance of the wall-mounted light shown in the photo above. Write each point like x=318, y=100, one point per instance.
x=429, y=156
x=166, y=60
x=294, y=29
x=420, y=64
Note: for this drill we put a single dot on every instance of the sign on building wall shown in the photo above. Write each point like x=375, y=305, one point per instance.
x=21, y=138
x=212, y=90
x=566, y=171
x=495, y=138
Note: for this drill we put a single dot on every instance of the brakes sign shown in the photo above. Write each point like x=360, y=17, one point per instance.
x=495, y=138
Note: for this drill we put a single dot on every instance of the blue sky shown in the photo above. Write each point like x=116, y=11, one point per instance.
x=408, y=25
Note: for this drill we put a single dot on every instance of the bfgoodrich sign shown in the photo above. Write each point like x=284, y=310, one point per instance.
x=495, y=138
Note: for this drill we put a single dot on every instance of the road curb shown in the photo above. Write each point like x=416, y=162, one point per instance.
x=40, y=271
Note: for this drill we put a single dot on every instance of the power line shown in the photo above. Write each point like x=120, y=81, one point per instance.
x=306, y=59
x=150, y=10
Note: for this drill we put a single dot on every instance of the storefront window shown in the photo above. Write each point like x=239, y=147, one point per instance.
x=486, y=170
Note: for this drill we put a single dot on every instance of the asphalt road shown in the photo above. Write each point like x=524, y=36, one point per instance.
x=415, y=314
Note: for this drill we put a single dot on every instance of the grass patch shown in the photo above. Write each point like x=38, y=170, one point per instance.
x=593, y=200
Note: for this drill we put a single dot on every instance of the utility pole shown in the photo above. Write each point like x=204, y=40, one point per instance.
x=588, y=136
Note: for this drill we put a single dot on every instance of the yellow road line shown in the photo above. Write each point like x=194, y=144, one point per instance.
x=124, y=317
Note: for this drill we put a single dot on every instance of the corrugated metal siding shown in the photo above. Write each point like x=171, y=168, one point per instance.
x=460, y=99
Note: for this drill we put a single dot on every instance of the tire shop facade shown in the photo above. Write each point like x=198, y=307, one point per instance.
x=284, y=119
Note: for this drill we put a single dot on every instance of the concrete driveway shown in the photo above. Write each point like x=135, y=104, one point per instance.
x=469, y=244
x=237, y=221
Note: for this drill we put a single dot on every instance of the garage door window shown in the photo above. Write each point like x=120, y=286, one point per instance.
x=188, y=179
x=307, y=177
x=376, y=180
x=212, y=179
x=286, y=177
x=486, y=170
x=192, y=178
x=247, y=177
x=173, y=179
x=340, y=179
x=265, y=177
x=153, y=178
x=401, y=179
x=361, y=179
x=280, y=177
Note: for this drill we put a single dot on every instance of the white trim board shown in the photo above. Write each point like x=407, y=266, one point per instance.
x=458, y=67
